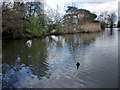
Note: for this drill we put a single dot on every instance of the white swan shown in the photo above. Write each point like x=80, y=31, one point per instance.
x=29, y=43
x=54, y=38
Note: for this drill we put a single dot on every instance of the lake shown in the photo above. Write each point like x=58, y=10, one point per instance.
x=51, y=62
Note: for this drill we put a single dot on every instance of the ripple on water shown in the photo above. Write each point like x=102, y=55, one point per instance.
x=50, y=64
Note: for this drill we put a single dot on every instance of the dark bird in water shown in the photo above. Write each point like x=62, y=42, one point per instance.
x=77, y=64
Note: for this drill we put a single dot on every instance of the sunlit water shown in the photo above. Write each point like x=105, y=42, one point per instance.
x=51, y=62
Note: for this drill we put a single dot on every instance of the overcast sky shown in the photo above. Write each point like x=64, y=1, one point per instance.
x=92, y=5
x=95, y=6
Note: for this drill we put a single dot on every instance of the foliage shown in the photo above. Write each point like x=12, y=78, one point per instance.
x=57, y=27
x=35, y=27
x=16, y=19
x=78, y=16
x=30, y=19
x=51, y=27
x=12, y=22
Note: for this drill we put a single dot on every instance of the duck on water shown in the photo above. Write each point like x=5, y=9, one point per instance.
x=77, y=64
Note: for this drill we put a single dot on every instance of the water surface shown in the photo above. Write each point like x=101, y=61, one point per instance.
x=51, y=62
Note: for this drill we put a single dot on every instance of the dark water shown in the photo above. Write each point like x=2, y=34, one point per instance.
x=51, y=63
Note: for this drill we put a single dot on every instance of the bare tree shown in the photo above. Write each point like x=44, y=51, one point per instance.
x=112, y=19
x=107, y=18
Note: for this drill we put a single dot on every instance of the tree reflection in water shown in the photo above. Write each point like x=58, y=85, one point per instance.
x=25, y=66
x=21, y=62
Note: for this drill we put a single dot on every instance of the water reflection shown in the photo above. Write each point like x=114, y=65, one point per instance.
x=20, y=59
x=50, y=62
x=111, y=31
x=89, y=38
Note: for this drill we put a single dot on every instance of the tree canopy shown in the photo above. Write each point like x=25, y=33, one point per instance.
x=77, y=16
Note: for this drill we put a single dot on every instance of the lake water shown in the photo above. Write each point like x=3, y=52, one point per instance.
x=51, y=62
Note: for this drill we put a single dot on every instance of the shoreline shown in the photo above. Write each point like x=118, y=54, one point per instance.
x=43, y=36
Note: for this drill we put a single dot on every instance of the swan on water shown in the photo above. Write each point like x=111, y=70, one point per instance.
x=29, y=43
x=54, y=37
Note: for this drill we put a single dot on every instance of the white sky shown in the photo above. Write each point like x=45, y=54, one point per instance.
x=96, y=6
x=92, y=5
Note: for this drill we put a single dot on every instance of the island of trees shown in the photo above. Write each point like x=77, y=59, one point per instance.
x=30, y=20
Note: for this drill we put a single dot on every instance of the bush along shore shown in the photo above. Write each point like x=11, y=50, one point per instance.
x=58, y=30
x=28, y=20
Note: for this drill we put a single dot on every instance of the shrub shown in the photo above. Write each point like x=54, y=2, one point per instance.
x=35, y=27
